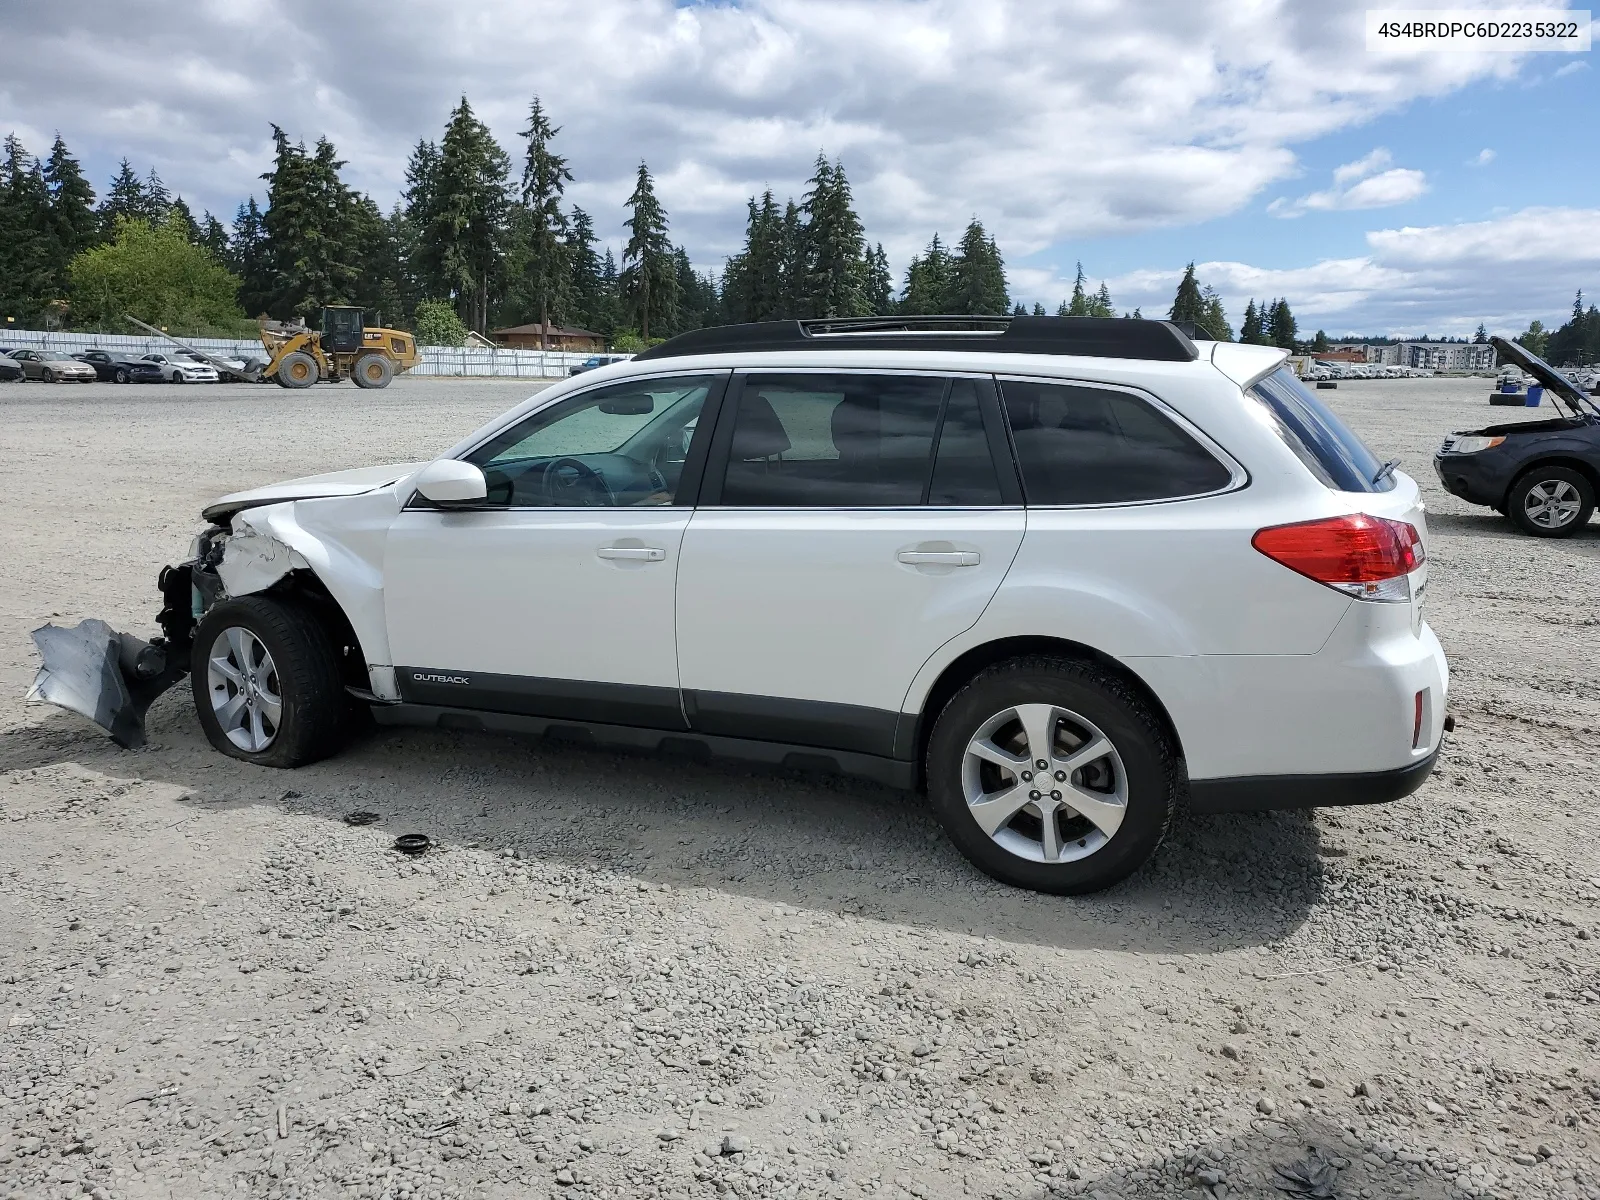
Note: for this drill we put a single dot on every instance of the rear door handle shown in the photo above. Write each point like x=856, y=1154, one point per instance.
x=634, y=553
x=942, y=558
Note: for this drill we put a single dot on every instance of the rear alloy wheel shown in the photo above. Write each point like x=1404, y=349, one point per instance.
x=265, y=676
x=1551, y=501
x=1053, y=774
x=297, y=370
x=372, y=371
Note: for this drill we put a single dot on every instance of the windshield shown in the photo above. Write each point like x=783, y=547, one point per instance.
x=55, y=356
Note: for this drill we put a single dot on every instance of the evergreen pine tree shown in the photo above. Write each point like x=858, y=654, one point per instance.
x=178, y=211
x=29, y=253
x=1481, y=337
x=125, y=198
x=1213, y=322
x=248, y=259
x=1100, y=303
x=1188, y=304
x=461, y=236
x=214, y=237
x=157, y=199
x=880, y=283
x=793, y=278
x=977, y=276
x=649, y=275
x=753, y=283
x=928, y=281
x=1038, y=309
x=584, y=287
x=1064, y=309
x=546, y=272
x=1078, y=306
x=1284, y=332
x=1021, y=310
x=310, y=227
x=72, y=215
x=1250, y=327
x=835, y=246
x=1319, y=344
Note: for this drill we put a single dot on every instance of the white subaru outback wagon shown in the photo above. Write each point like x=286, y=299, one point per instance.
x=1066, y=574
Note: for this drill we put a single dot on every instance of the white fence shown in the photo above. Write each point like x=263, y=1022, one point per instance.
x=436, y=360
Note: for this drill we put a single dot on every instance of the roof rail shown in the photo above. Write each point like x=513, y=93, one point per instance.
x=1093, y=337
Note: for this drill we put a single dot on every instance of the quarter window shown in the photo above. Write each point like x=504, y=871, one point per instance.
x=1091, y=445
x=858, y=441
x=1319, y=439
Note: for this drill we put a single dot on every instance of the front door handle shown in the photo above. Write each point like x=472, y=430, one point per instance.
x=941, y=558
x=632, y=553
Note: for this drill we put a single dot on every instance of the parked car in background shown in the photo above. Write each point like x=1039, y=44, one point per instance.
x=53, y=366
x=598, y=360
x=1543, y=475
x=227, y=366
x=10, y=369
x=175, y=369
x=104, y=362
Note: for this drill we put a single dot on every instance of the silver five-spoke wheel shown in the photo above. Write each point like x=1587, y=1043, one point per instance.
x=245, y=693
x=1044, y=783
x=1552, y=504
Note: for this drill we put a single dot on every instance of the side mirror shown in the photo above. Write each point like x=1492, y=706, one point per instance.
x=633, y=404
x=450, y=481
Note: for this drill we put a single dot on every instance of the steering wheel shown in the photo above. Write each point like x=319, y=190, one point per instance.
x=573, y=483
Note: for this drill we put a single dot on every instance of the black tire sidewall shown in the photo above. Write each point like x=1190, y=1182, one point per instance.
x=303, y=734
x=1529, y=479
x=1105, y=700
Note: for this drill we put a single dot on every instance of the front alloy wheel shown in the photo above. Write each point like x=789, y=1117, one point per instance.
x=1053, y=774
x=1551, y=501
x=245, y=693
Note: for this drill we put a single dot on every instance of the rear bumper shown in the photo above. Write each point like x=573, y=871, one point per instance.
x=1264, y=793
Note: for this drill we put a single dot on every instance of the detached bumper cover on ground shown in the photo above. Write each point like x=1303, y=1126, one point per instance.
x=112, y=678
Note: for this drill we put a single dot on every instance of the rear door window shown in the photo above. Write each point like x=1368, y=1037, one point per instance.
x=1078, y=444
x=858, y=441
x=1319, y=439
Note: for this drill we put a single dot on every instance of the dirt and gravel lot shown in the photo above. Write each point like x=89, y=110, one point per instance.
x=617, y=976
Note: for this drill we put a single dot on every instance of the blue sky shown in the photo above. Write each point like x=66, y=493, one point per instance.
x=1132, y=136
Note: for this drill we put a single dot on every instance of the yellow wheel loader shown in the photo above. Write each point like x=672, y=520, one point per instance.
x=298, y=356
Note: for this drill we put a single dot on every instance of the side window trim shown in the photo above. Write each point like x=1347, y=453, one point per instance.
x=1239, y=477
x=994, y=425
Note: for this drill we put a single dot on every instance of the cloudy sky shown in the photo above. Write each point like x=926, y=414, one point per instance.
x=1378, y=192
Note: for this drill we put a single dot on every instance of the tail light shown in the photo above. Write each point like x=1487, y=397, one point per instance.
x=1364, y=556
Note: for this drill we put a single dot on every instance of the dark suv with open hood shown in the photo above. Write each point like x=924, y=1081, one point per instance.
x=1544, y=475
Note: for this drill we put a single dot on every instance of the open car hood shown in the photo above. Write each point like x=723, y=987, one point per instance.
x=311, y=487
x=1549, y=378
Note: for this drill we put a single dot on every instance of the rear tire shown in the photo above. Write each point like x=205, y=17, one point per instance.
x=290, y=659
x=1550, y=501
x=297, y=370
x=1131, y=787
x=372, y=371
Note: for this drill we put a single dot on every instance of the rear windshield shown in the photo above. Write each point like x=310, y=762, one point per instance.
x=1319, y=439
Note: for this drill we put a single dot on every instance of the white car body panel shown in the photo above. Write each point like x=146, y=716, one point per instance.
x=333, y=483
x=813, y=604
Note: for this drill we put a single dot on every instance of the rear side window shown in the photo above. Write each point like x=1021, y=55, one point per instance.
x=858, y=441
x=1319, y=439
x=1090, y=445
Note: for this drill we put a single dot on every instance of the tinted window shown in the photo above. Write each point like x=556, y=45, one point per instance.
x=833, y=441
x=963, y=467
x=1319, y=439
x=621, y=445
x=1088, y=445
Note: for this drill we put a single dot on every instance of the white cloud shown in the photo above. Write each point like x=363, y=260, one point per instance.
x=1049, y=121
x=1482, y=158
x=1360, y=184
x=1440, y=279
x=1572, y=68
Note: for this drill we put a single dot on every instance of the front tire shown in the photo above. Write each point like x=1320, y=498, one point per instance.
x=1550, y=501
x=297, y=370
x=47, y=376
x=1092, y=815
x=265, y=677
x=120, y=375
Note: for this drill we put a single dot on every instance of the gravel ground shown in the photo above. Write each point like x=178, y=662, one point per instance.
x=617, y=976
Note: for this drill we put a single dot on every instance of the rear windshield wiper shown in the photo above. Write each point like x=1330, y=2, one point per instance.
x=1384, y=471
